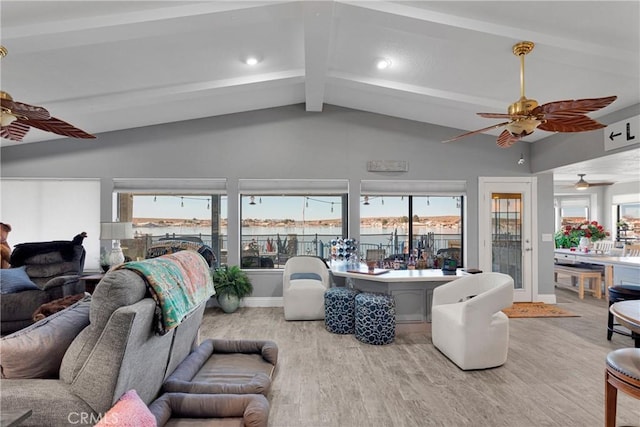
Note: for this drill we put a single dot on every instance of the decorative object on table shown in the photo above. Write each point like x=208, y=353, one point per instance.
x=105, y=263
x=340, y=310
x=525, y=115
x=231, y=285
x=345, y=250
x=116, y=231
x=569, y=236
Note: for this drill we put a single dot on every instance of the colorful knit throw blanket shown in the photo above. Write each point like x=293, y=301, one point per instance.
x=178, y=283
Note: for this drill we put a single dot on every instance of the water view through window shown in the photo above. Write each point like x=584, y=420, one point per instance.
x=275, y=228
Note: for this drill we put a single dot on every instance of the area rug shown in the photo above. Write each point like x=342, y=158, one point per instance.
x=536, y=309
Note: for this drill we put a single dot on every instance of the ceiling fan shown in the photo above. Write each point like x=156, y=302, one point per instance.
x=583, y=185
x=525, y=115
x=16, y=118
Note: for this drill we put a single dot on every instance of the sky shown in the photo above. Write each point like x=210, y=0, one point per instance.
x=289, y=207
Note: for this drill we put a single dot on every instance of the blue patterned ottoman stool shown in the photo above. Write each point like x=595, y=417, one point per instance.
x=375, y=318
x=340, y=310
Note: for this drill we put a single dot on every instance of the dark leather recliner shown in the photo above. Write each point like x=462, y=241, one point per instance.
x=54, y=266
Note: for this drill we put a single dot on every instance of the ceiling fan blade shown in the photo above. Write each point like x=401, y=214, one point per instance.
x=31, y=112
x=476, y=131
x=600, y=184
x=58, y=126
x=506, y=139
x=14, y=132
x=570, y=108
x=578, y=123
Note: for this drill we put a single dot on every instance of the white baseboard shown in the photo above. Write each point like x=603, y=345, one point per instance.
x=262, y=302
x=252, y=302
x=546, y=298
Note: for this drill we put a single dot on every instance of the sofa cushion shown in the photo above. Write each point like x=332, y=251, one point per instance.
x=129, y=411
x=37, y=351
x=119, y=288
x=14, y=280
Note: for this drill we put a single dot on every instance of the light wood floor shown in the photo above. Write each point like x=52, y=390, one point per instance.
x=554, y=375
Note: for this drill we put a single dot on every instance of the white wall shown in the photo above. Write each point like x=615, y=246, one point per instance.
x=46, y=210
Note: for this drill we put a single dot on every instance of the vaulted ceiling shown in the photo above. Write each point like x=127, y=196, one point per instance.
x=111, y=65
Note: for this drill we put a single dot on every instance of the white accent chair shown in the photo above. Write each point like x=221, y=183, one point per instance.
x=467, y=324
x=304, y=282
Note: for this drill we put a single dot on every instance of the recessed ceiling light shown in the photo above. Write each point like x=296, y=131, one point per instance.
x=383, y=63
x=252, y=60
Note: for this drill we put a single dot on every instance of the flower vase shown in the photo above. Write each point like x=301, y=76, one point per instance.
x=583, y=245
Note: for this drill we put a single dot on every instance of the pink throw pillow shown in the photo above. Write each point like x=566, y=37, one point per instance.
x=129, y=411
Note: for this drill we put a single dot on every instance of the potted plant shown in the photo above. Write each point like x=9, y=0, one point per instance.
x=570, y=235
x=231, y=284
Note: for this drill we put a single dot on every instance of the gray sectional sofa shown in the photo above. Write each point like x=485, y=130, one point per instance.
x=118, y=351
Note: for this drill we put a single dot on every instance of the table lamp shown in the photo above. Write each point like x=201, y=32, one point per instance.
x=116, y=231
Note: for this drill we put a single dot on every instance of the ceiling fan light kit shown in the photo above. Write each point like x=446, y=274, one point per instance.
x=526, y=115
x=581, y=184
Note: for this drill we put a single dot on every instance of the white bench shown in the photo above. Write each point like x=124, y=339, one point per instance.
x=594, y=276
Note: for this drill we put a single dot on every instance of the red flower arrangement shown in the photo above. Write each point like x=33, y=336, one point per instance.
x=570, y=235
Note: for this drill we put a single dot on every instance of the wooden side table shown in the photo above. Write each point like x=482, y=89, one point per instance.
x=91, y=281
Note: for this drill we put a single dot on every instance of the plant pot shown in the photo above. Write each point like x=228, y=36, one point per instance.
x=228, y=302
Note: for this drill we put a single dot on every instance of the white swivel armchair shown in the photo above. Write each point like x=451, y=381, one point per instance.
x=304, y=282
x=467, y=324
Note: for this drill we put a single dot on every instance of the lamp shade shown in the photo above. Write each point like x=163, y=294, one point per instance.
x=116, y=230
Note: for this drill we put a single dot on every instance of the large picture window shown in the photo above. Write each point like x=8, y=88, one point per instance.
x=401, y=227
x=197, y=217
x=275, y=228
x=628, y=222
x=187, y=209
x=574, y=211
